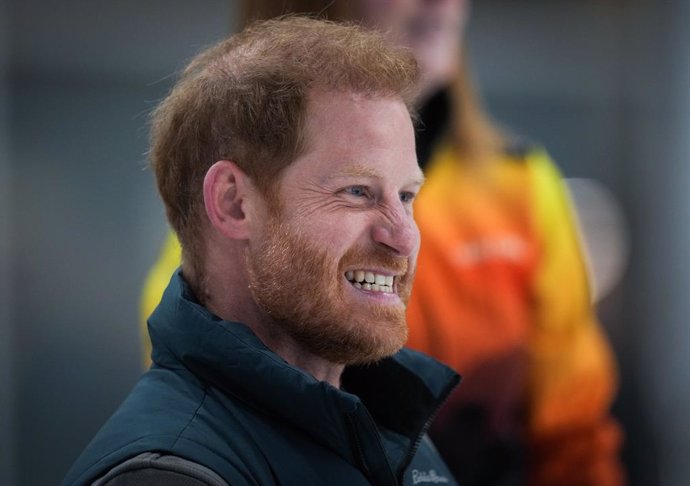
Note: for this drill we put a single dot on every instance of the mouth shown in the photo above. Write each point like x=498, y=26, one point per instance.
x=372, y=281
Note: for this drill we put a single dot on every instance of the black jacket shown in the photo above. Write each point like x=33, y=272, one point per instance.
x=216, y=396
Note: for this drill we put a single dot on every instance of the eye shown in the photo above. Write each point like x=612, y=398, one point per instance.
x=357, y=191
x=407, y=196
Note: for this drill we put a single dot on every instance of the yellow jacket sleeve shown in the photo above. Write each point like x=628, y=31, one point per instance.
x=572, y=375
x=154, y=286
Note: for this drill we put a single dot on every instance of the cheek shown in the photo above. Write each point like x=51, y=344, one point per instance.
x=334, y=234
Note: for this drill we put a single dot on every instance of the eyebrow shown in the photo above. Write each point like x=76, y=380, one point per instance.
x=360, y=170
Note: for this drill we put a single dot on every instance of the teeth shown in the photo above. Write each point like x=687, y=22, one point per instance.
x=374, y=282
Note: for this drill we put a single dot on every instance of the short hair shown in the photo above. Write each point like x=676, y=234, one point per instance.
x=245, y=99
x=472, y=132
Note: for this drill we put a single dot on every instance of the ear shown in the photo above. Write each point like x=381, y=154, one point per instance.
x=227, y=193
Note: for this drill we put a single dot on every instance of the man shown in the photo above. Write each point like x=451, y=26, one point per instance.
x=285, y=157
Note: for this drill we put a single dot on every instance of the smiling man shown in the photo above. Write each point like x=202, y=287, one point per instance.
x=285, y=158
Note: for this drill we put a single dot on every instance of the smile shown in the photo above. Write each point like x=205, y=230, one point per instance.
x=367, y=280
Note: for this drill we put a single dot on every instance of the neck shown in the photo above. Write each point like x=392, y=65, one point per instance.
x=229, y=298
x=295, y=354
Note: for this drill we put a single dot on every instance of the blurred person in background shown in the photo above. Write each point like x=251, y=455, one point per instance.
x=501, y=292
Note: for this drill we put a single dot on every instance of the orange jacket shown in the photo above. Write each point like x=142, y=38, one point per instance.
x=501, y=294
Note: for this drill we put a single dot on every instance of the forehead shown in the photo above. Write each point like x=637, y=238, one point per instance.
x=351, y=134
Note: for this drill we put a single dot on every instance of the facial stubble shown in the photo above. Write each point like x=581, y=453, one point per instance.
x=300, y=289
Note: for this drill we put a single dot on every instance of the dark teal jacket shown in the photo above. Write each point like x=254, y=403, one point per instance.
x=218, y=397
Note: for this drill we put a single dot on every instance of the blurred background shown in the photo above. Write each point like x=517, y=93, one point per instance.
x=603, y=84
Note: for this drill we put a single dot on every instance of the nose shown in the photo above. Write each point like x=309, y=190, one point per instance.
x=398, y=232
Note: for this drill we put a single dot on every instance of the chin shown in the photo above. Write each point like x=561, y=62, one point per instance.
x=365, y=342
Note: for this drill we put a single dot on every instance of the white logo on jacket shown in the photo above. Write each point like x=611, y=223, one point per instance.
x=427, y=477
x=508, y=248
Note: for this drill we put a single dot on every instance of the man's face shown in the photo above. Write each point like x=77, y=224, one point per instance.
x=334, y=267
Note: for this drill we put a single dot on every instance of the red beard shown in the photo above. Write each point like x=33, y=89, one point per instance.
x=296, y=285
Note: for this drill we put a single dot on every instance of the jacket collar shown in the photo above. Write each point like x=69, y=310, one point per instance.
x=400, y=393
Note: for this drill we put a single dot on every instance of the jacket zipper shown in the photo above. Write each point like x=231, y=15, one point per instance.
x=420, y=436
x=360, y=452
x=358, y=448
